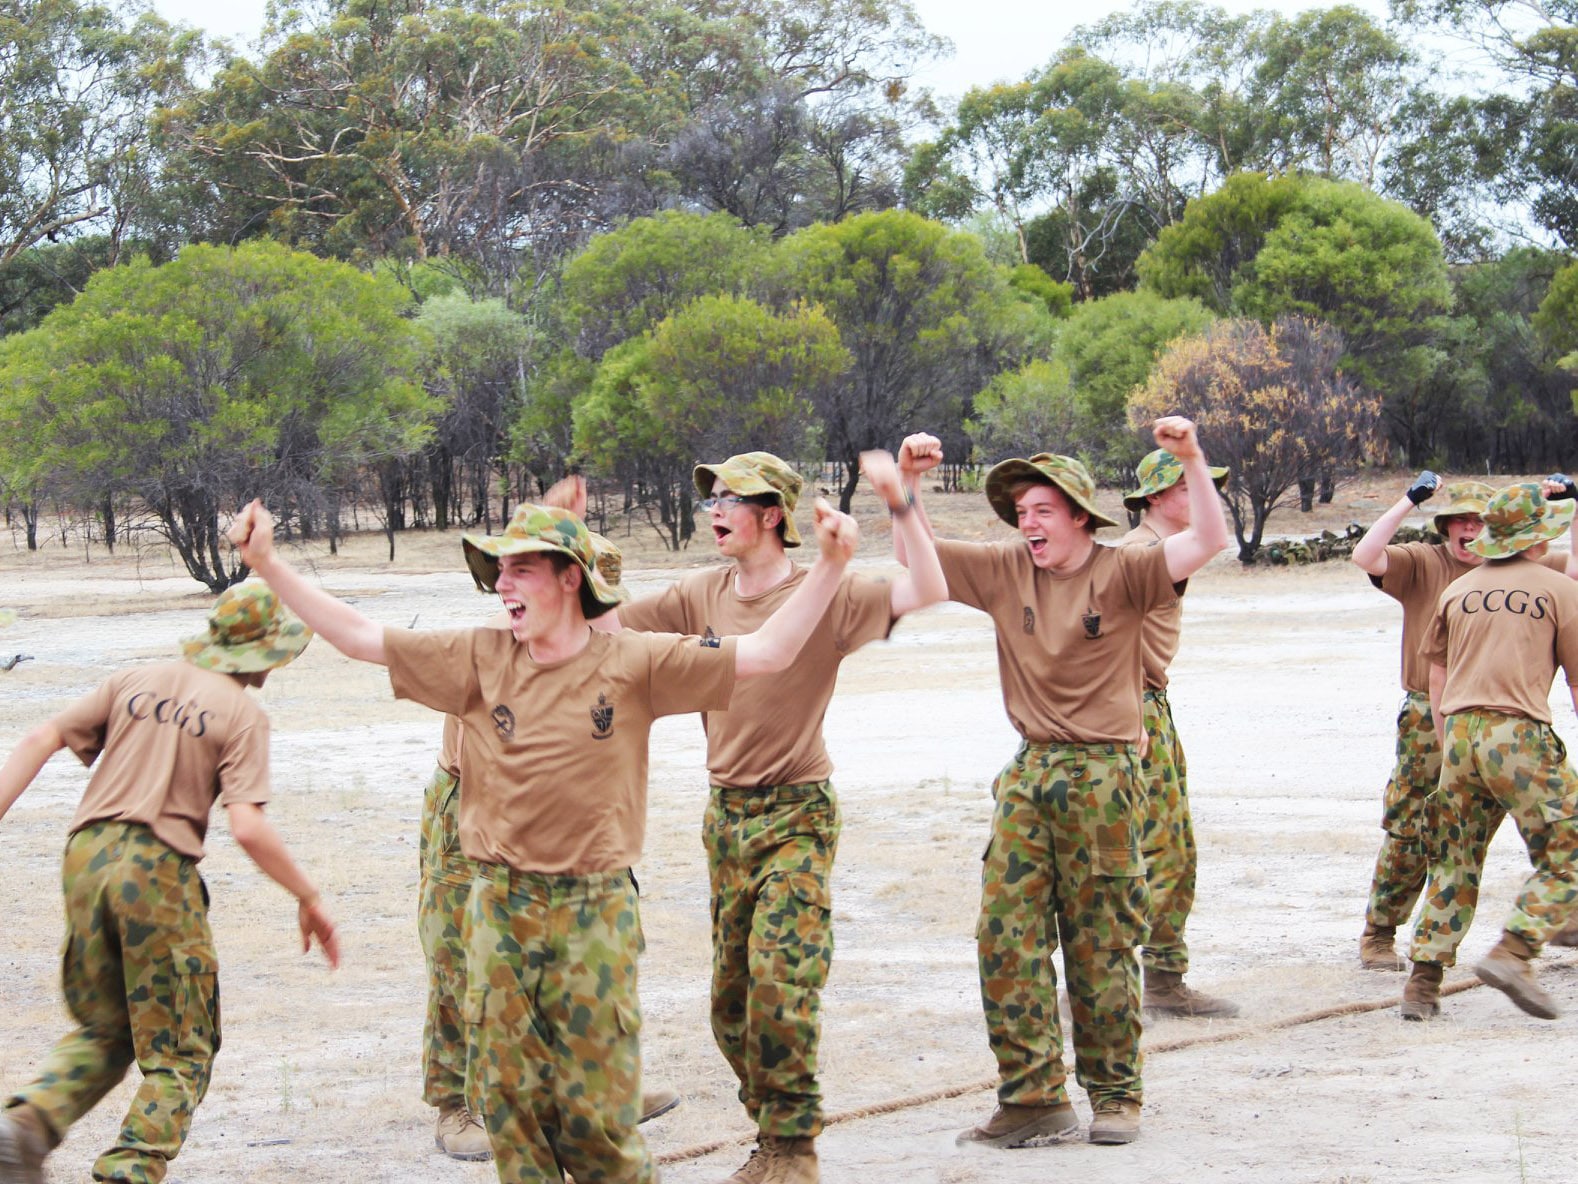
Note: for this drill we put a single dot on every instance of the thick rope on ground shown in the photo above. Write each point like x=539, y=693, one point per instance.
x=1176, y=1045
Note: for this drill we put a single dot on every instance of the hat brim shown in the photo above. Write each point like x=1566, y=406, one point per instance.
x=1459, y=511
x=1137, y=501
x=483, y=553
x=279, y=647
x=746, y=485
x=1558, y=517
x=1006, y=473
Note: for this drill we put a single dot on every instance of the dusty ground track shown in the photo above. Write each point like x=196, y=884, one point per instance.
x=1284, y=692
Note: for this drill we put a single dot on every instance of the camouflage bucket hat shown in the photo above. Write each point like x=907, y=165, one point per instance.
x=248, y=631
x=752, y=473
x=1517, y=518
x=535, y=528
x=1062, y=471
x=1463, y=498
x=1159, y=472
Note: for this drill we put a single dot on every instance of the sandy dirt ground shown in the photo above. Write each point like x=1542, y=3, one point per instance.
x=1285, y=693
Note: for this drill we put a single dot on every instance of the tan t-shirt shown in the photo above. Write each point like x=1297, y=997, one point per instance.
x=1060, y=684
x=1501, y=631
x=1416, y=575
x=169, y=740
x=553, y=756
x=449, y=747
x=771, y=733
x=1163, y=626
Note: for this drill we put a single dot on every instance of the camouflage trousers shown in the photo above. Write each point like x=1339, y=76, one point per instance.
x=446, y=877
x=1166, y=839
x=770, y=854
x=551, y=993
x=141, y=981
x=1407, y=817
x=1064, y=867
x=1494, y=765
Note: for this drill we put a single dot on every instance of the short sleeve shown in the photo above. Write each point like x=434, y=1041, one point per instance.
x=1402, y=571
x=968, y=568
x=437, y=669
x=862, y=612
x=690, y=673
x=84, y=725
x=243, y=764
x=663, y=612
x=1145, y=575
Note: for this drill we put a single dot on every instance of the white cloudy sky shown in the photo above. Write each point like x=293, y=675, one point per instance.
x=993, y=39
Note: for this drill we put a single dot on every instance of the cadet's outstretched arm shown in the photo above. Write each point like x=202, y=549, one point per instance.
x=25, y=761
x=342, y=626
x=1369, y=553
x=776, y=643
x=920, y=453
x=256, y=835
x=923, y=582
x=1190, y=550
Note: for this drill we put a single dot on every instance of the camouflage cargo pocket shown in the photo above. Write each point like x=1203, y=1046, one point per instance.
x=194, y=997
x=1119, y=875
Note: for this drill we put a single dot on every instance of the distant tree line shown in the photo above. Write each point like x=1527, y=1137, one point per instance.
x=414, y=260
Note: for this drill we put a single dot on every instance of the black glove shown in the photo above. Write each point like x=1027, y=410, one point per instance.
x=1568, y=488
x=1424, y=485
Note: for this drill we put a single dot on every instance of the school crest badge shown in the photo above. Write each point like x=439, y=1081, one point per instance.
x=602, y=719
x=504, y=722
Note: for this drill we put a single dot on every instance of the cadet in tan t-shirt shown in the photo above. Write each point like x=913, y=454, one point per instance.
x=553, y=757
x=139, y=970
x=1494, y=644
x=772, y=820
x=1415, y=575
x=1063, y=865
x=1167, y=833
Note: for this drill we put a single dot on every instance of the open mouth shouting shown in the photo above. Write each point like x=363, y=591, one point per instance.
x=516, y=610
x=1038, y=544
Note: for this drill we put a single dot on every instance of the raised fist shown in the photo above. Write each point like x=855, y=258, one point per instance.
x=1424, y=485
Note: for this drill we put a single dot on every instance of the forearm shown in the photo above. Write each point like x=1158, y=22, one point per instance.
x=342, y=626
x=1369, y=553
x=918, y=523
x=257, y=837
x=1191, y=549
x=923, y=583
x=778, y=640
x=1207, y=520
x=25, y=761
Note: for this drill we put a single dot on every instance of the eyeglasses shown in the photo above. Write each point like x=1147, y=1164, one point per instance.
x=726, y=502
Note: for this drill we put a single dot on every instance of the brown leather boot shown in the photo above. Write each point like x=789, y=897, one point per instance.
x=25, y=1140
x=1422, y=992
x=1166, y=994
x=779, y=1160
x=1507, y=968
x=461, y=1135
x=1115, y=1120
x=657, y=1101
x=1376, y=951
x=1019, y=1126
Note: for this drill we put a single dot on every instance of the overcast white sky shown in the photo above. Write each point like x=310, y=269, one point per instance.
x=993, y=39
